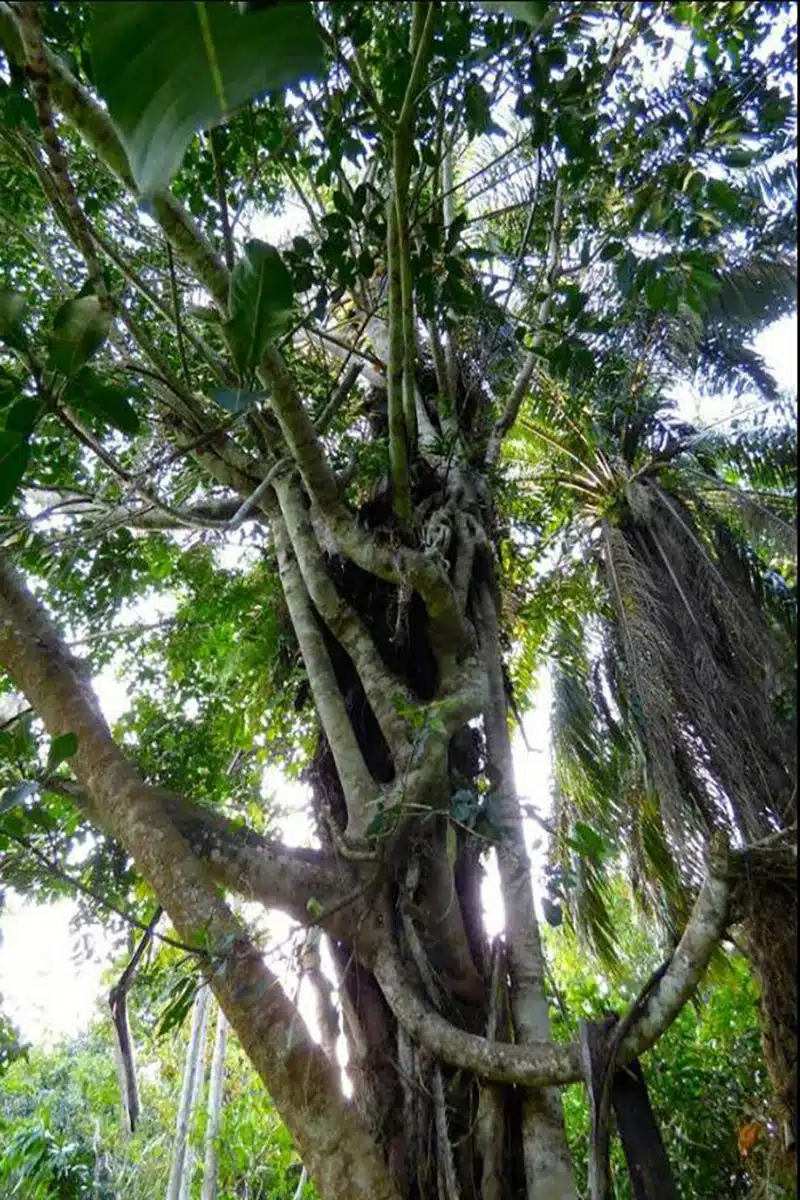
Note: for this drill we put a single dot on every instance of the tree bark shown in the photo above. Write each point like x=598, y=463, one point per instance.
x=215, y=1096
x=548, y=1166
x=178, y=1185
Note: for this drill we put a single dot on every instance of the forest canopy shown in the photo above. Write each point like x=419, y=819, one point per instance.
x=344, y=357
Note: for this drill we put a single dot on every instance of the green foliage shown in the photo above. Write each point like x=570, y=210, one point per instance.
x=14, y=456
x=532, y=12
x=60, y=1132
x=87, y=392
x=705, y=1077
x=79, y=329
x=12, y=311
x=260, y=304
x=62, y=748
x=166, y=73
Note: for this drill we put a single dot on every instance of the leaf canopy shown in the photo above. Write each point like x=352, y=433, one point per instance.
x=168, y=71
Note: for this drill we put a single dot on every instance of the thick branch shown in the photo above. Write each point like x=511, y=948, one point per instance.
x=210, y=514
x=360, y=789
x=342, y=620
x=398, y=430
x=542, y=1116
x=341, y=1154
x=398, y=564
x=277, y=876
x=540, y=1064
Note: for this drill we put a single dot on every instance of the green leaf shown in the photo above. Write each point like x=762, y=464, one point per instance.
x=61, y=748
x=658, y=293
x=176, y=1009
x=87, y=391
x=302, y=246
x=464, y=805
x=365, y=264
x=239, y=400
x=478, y=110
x=531, y=11
x=626, y=272
x=12, y=310
x=79, y=329
x=611, y=251
x=17, y=110
x=260, y=303
x=22, y=416
x=14, y=796
x=723, y=197
x=383, y=822
x=588, y=842
x=168, y=70
x=14, y=455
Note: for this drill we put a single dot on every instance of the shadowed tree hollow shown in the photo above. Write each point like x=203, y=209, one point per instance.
x=349, y=332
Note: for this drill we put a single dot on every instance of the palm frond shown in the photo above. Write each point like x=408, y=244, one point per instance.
x=766, y=520
x=752, y=295
x=725, y=363
x=765, y=456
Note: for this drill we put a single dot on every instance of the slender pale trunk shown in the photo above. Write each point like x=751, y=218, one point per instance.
x=181, y=1161
x=197, y=1087
x=211, y=1163
x=301, y=1184
x=449, y=214
x=548, y=1166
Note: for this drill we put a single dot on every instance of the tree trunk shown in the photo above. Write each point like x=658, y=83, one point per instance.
x=771, y=942
x=211, y=1163
x=444, y=1133
x=177, y=1188
x=197, y=1087
x=648, y=1165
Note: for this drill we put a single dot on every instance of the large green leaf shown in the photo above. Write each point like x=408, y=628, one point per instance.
x=14, y=455
x=21, y=418
x=167, y=70
x=260, y=303
x=79, y=329
x=62, y=748
x=87, y=391
x=531, y=11
x=12, y=310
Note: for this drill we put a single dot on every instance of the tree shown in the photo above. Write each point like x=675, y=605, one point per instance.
x=59, y=1119
x=211, y=1156
x=674, y=709
x=193, y=1075
x=335, y=412
x=707, y=1083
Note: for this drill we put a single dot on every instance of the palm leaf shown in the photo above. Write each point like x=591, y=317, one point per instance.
x=752, y=295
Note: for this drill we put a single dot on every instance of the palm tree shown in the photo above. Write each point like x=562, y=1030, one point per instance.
x=672, y=552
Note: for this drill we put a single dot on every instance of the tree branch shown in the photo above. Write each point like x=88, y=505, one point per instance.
x=523, y=379
x=395, y=374
x=398, y=564
x=94, y=125
x=542, y=1064
x=331, y=1138
x=360, y=789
